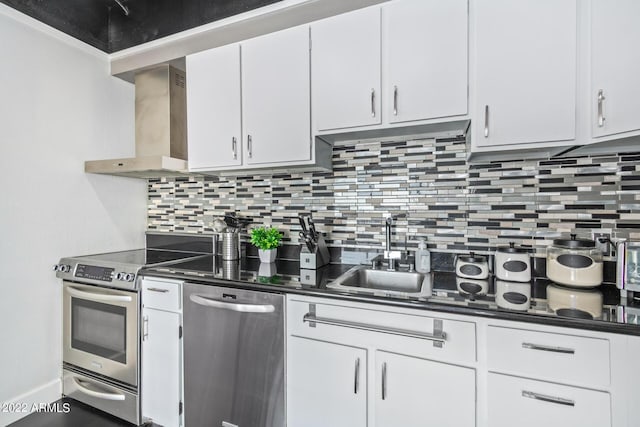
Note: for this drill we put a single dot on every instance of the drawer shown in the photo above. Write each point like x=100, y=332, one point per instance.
x=161, y=294
x=514, y=401
x=409, y=332
x=556, y=357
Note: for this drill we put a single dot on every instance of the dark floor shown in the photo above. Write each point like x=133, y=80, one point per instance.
x=79, y=415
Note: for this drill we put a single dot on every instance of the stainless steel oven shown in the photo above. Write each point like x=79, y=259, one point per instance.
x=101, y=324
x=101, y=331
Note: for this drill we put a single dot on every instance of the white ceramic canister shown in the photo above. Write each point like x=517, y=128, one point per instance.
x=571, y=302
x=472, y=286
x=513, y=263
x=574, y=262
x=472, y=266
x=513, y=295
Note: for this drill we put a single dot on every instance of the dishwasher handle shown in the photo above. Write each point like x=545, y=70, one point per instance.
x=232, y=306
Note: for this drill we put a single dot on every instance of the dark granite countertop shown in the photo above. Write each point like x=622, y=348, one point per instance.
x=286, y=276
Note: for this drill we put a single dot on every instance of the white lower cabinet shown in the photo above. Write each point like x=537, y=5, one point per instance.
x=354, y=365
x=327, y=384
x=161, y=352
x=414, y=392
x=528, y=403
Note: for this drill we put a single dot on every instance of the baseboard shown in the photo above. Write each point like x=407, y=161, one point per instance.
x=21, y=406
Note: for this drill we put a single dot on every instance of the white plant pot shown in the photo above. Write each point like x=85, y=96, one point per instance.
x=268, y=255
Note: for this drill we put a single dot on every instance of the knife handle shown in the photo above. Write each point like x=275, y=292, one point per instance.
x=312, y=228
x=302, y=224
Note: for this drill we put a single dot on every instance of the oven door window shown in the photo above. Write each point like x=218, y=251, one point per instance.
x=99, y=329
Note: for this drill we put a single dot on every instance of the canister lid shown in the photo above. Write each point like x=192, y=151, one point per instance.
x=513, y=249
x=473, y=258
x=574, y=243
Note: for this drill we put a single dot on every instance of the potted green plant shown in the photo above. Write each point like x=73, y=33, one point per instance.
x=267, y=240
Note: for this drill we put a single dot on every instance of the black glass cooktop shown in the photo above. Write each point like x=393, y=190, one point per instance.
x=137, y=257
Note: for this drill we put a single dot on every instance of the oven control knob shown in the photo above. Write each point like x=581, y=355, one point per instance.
x=64, y=268
x=56, y=267
x=129, y=277
x=120, y=276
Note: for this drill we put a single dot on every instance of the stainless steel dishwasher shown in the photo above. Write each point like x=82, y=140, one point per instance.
x=233, y=357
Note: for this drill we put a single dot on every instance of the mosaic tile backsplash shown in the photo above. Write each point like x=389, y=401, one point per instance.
x=458, y=206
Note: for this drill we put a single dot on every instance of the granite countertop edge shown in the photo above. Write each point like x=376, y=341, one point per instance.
x=593, y=325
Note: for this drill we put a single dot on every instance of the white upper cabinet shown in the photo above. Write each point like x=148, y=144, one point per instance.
x=346, y=70
x=425, y=59
x=276, y=97
x=381, y=66
x=249, y=104
x=525, y=72
x=615, y=67
x=213, y=106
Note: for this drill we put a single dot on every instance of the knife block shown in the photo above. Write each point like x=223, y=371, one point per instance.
x=316, y=259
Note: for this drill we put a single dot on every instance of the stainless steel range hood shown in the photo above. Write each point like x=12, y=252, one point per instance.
x=161, y=131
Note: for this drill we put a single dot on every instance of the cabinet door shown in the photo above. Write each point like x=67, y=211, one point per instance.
x=326, y=384
x=161, y=367
x=415, y=392
x=425, y=46
x=276, y=98
x=615, y=66
x=525, y=73
x=527, y=403
x=346, y=70
x=213, y=108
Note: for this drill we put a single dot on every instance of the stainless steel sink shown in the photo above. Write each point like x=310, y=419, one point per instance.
x=361, y=278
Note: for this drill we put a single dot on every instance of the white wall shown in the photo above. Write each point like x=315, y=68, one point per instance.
x=58, y=108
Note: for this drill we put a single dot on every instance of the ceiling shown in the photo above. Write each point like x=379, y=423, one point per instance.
x=106, y=25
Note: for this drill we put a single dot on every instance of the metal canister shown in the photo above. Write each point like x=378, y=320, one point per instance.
x=230, y=245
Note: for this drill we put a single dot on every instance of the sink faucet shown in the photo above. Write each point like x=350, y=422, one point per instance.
x=389, y=255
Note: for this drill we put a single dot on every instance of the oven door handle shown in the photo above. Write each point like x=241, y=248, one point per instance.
x=233, y=306
x=98, y=394
x=98, y=297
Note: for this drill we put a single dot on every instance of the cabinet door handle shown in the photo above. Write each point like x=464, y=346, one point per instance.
x=532, y=346
x=486, y=121
x=234, y=147
x=163, y=291
x=395, y=100
x=601, y=99
x=356, y=379
x=145, y=328
x=546, y=398
x=384, y=380
x=373, y=102
x=249, y=146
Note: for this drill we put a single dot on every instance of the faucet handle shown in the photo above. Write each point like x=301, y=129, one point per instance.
x=393, y=254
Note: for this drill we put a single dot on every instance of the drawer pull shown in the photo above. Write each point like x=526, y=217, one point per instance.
x=158, y=290
x=546, y=398
x=437, y=337
x=548, y=348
